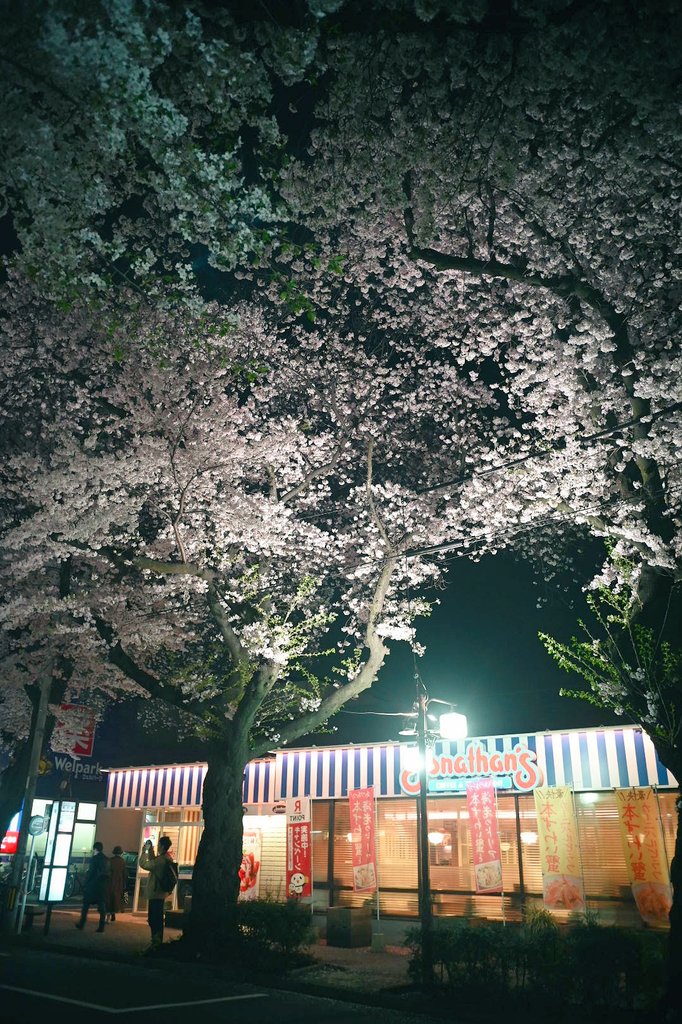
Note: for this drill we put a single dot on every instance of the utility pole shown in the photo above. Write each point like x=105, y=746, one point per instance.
x=425, y=911
x=12, y=915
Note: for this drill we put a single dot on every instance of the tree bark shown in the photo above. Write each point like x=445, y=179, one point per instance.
x=215, y=886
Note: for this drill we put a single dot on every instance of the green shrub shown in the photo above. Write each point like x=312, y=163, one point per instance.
x=583, y=966
x=266, y=927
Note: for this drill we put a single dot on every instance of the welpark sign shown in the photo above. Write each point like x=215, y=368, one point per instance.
x=516, y=769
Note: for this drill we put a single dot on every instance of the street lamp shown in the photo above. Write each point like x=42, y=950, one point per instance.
x=451, y=726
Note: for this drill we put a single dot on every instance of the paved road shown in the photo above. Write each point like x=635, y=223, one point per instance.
x=36, y=985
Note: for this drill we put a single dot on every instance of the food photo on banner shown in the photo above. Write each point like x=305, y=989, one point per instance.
x=249, y=872
x=362, y=811
x=562, y=874
x=485, y=838
x=645, y=853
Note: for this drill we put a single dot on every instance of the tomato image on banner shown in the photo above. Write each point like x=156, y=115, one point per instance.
x=485, y=838
x=249, y=872
x=562, y=881
x=361, y=809
x=299, y=849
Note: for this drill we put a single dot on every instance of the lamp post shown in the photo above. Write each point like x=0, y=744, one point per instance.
x=424, y=881
x=451, y=726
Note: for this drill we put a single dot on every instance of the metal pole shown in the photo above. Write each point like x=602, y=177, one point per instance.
x=425, y=912
x=12, y=918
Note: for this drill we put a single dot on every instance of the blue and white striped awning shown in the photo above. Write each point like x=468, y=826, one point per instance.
x=589, y=759
x=180, y=785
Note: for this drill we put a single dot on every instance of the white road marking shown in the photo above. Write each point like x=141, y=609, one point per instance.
x=131, y=1009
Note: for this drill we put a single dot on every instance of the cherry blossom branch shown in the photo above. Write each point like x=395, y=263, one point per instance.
x=370, y=500
x=232, y=642
x=362, y=680
x=314, y=474
x=151, y=684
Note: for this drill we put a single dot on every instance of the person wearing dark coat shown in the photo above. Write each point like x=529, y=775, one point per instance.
x=95, y=887
x=116, y=884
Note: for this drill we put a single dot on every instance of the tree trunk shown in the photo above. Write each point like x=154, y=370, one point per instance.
x=215, y=883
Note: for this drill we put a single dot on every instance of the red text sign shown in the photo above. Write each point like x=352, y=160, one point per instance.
x=299, y=849
x=485, y=839
x=361, y=808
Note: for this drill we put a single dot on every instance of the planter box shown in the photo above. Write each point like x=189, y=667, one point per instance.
x=348, y=927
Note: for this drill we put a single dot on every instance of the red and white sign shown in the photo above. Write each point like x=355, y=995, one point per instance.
x=249, y=872
x=74, y=731
x=299, y=849
x=9, y=843
x=362, y=812
x=485, y=838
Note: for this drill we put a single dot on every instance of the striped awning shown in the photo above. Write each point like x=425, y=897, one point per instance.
x=180, y=785
x=590, y=759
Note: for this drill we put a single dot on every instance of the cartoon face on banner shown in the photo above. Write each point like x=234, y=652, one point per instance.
x=299, y=849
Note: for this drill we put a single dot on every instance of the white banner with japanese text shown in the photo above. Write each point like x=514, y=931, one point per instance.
x=562, y=876
x=645, y=855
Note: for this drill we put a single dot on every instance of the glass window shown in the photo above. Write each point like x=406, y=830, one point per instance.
x=320, y=828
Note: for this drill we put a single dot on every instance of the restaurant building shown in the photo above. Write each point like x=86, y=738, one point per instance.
x=600, y=771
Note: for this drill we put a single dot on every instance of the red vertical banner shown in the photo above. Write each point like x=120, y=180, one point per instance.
x=74, y=730
x=485, y=838
x=362, y=816
x=299, y=849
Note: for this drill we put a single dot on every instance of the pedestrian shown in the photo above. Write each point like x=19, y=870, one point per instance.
x=95, y=886
x=161, y=881
x=116, y=883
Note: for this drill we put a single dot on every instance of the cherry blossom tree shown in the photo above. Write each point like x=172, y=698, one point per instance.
x=234, y=494
x=526, y=170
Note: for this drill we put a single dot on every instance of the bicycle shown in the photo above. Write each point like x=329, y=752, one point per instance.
x=74, y=883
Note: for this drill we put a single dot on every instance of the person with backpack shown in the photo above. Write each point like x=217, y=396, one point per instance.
x=95, y=887
x=163, y=877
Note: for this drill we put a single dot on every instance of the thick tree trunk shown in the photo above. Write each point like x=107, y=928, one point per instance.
x=215, y=884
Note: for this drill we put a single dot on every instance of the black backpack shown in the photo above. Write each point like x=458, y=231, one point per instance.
x=169, y=879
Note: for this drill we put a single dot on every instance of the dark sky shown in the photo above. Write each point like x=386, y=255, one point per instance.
x=482, y=653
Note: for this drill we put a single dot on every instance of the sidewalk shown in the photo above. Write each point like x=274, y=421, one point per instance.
x=359, y=974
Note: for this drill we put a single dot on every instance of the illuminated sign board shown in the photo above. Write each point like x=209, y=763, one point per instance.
x=515, y=769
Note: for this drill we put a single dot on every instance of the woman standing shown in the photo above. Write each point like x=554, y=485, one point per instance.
x=116, y=884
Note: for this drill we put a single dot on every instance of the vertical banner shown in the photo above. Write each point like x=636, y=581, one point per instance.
x=74, y=730
x=362, y=813
x=562, y=882
x=249, y=872
x=645, y=856
x=299, y=849
x=485, y=838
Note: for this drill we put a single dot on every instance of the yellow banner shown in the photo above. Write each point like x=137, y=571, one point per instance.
x=562, y=882
x=645, y=856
